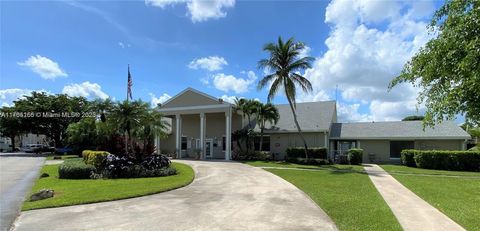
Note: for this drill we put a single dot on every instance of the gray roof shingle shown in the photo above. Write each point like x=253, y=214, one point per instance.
x=397, y=129
x=312, y=117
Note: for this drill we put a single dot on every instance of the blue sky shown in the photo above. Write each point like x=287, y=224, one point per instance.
x=83, y=48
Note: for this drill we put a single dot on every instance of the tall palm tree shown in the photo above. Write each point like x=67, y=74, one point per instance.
x=151, y=125
x=266, y=113
x=285, y=63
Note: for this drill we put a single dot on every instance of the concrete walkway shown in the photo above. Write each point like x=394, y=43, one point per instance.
x=411, y=211
x=223, y=196
x=17, y=174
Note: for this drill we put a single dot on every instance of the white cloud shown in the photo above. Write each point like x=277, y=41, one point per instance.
x=366, y=49
x=305, y=52
x=45, y=67
x=228, y=83
x=211, y=63
x=198, y=10
x=163, y=3
x=350, y=113
x=229, y=99
x=154, y=101
x=123, y=45
x=7, y=96
x=85, y=89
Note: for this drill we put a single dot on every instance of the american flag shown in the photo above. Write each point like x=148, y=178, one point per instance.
x=129, y=84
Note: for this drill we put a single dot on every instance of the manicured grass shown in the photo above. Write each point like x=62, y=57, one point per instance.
x=283, y=164
x=62, y=156
x=344, y=192
x=458, y=198
x=74, y=192
x=411, y=170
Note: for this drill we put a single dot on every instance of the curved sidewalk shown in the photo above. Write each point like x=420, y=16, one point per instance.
x=223, y=196
x=412, y=212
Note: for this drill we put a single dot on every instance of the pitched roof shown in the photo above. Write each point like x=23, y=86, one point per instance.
x=312, y=117
x=396, y=130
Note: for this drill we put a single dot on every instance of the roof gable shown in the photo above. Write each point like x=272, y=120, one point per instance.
x=191, y=97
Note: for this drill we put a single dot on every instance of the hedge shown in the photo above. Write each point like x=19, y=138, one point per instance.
x=75, y=169
x=314, y=152
x=443, y=160
x=355, y=156
x=407, y=157
x=95, y=158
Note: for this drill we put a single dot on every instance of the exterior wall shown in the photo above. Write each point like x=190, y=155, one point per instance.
x=215, y=130
x=380, y=148
x=280, y=142
x=190, y=98
x=439, y=144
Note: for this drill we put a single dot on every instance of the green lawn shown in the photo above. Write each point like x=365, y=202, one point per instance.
x=409, y=170
x=458, y=198
x=344, y=192
x=74, y=192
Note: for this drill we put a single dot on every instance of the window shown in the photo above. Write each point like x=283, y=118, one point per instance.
x=265, y=145
x=184, y=142
x=396, y=147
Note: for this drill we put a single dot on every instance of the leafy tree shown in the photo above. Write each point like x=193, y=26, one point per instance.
x=151, y=125
x=53, y=113
x=10, y=126
x=447, y=68
x=82, y=135
x=286, y=64
x=266, y=113
x=413, y=118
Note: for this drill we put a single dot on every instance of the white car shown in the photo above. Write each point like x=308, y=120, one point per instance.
x=34, y=148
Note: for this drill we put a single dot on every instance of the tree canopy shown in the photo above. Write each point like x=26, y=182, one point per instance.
x=413, y=117
x=447, y=68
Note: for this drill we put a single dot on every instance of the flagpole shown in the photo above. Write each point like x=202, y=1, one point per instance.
x=128, y=86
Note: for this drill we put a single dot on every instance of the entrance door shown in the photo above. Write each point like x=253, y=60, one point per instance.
x=209, y=148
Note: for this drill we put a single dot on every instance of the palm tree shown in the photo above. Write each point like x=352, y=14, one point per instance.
x=285, y=63
x=151, y=124
x=127, y=115
x=103, y=107
x=266, y=113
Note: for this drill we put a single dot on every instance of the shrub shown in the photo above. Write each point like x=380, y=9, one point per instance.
x=314, y=152
x=155, y=162
x=124, y=167
x=309, y=161
x=355, y=156
x=257, y=155
x=407, y=157
x=95, y=158
x=75, y=169
x=448, y=160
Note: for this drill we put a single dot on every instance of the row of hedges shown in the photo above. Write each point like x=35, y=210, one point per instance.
x=95, y=158
x=314, y=153
x=443, y=160
x=75, y=169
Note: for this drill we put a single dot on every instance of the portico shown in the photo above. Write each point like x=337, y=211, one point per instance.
x=201, y=125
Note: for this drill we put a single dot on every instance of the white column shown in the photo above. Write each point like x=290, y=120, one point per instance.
x=228, y=134
x=157, y=144
x=178, y=135
x=358, y=144
x=326, y=140
x=202, y=135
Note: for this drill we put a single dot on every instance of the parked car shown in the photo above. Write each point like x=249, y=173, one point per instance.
x=63, y=150
x=35, y=148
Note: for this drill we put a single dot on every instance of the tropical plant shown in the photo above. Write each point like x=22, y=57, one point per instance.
x=151, y=124
x=285, y=63
x=127, y=115
x=266, y=113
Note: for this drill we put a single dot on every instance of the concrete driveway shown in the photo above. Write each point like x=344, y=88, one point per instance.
x=17, y=174
x=223, y=196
